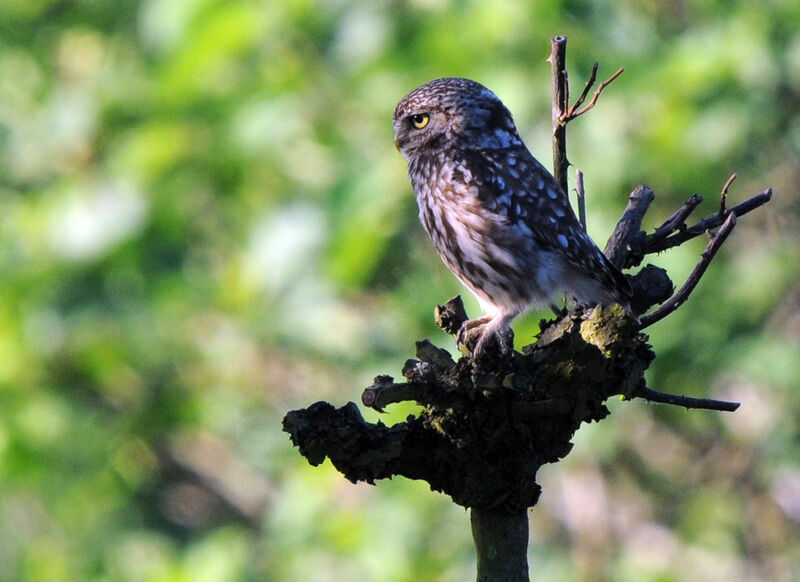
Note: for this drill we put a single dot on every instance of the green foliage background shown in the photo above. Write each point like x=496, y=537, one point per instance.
x=205, y=224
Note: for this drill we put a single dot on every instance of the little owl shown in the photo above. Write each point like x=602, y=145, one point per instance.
x=497, y=217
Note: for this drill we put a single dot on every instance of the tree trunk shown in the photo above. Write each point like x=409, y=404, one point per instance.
x=501, y=541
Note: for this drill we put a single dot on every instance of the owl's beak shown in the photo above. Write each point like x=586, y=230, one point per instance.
x=397, y=143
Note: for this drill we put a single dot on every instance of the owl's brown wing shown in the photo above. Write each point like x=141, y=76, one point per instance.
x=513, y=184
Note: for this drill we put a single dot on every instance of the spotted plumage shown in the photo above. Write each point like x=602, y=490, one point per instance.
x=496, y=216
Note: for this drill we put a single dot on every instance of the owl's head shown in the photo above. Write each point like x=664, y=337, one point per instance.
x=451, y=113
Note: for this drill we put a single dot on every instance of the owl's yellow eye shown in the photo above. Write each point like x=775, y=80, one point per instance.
x=420, y=120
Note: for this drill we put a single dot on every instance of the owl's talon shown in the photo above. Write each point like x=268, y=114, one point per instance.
x=470, y=332
x=493, y=339
x=483, y=335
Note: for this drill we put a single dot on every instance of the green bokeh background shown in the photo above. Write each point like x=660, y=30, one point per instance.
x=204, y=224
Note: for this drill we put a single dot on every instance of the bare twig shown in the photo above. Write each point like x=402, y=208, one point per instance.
x=558, y=58
x=685, y=401
x=574, y=114
x=629, y=226
x=580, y=192
x=653, y=244
x=714, y=244
x=586, y=88
x=678, y=218
x=723, y=197
x=562, y=113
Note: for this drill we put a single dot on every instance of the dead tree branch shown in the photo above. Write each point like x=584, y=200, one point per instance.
x=628, y=229
x=563, y=113
x=558, y=63
x=686, y=401
x=715, y=242
x=488, y=425
x=665, y=238
x=580, y=193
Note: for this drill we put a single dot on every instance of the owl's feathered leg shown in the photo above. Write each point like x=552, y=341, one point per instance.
x=490, y=332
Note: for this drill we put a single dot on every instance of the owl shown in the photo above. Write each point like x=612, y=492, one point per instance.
x=497, y=217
